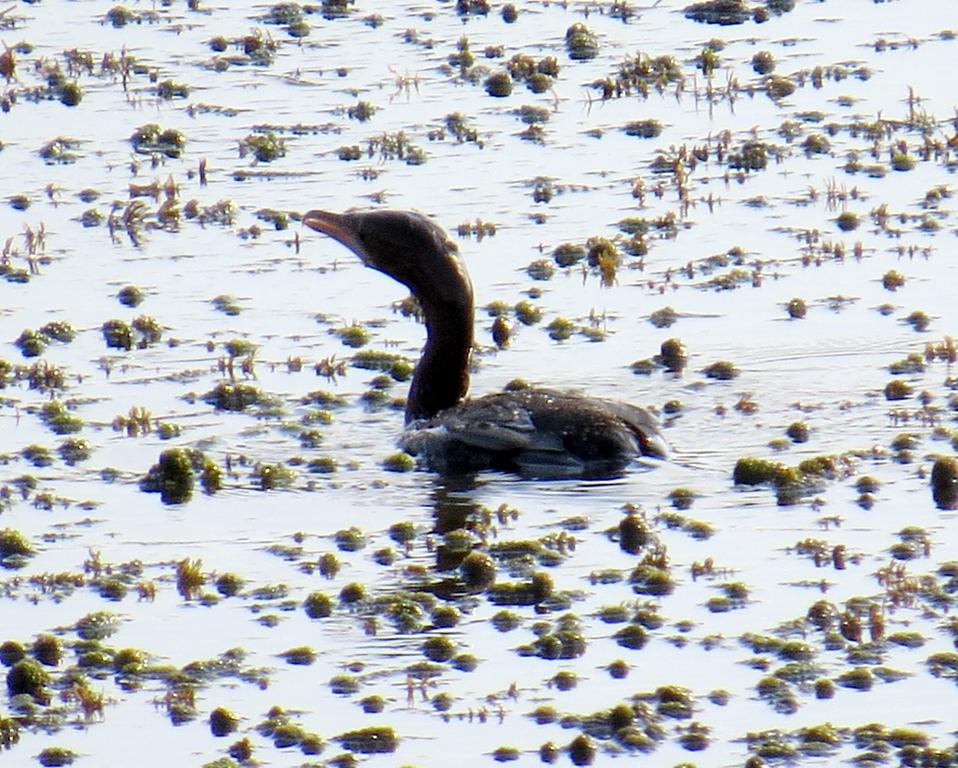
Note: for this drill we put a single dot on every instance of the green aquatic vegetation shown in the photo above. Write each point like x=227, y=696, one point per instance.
x=300, y=656
x=730, y=280
x=265, y=147
x=724, y=12
x=797, y=432
x=353, y=593
x=696, y=738
x=28, y=677
x=31, y=343
x=189, y=577
x=778, y=87
x=896, y=389
x=778, y=694
x=581, y=42
x=130, y=296
x=561, y=329
x=649, y=579
x=708, y=60
x=223, y=721
x=664, y=318
x=439, y=649
x=902, y=161
x=796, y=308
x=722, y=370
x=477, y=571
x=542, y=192
x=149, y=330
x=817, y=144
x=403, y=533
x=564, y=641
x=913, y=364
x=568, y=254
x=270, y=477
x=130, y=661
x=399, y=462
x=644, y=129
x=150, y=138
x=918, y=320
x=58, y=419
x=673, y=701
x=673, y=355
x=233, y=396
x=48, y=650
x=350, y=539
x=37, y=455
x=633, y=636
x=761, y=644
x=169, y=90
x=540, y=269
x=361, y=111
x=943, y=664
x=98, y=626
x=61, y=150
x=368, y=741
x=905, y=441
x=375, y=360
x=682, y=498
x=763, y=63
x=505, y=621
x=375, y=704
x=395, y=146
x=280, y=220
x=117, y=334
x=226, y=304
x=944, y=482
x=754, y=471
x=860, y=678
x=56, y=756
x=11, y=652
x=536, y=590
x=634, y=533
x=847, y=221
x=505, y=754
x=353, y=336
x=14, y=544
x=751, y=156
x=172, y=476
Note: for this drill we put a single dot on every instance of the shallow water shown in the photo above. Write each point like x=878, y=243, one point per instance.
x=295, y=288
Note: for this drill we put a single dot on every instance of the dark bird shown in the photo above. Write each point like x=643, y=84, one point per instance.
x=538, y=432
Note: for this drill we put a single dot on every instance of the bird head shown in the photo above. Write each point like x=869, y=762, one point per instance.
x=402, y=244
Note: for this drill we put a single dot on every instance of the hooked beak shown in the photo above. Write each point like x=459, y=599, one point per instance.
x=335, y=225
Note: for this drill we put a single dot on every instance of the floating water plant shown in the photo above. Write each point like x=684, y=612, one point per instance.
x=581, y=42
x=223, y=721
x=763, y=63
x=847, y=221
x=151, y=138
x=265, y=147
x=944, y=482
x=368, y=741
x=724, y=12
x=28, y=677
x=722, y=370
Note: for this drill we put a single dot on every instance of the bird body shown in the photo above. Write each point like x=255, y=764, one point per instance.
x=541, y=432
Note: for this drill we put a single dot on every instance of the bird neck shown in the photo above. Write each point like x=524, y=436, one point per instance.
x=442, y=376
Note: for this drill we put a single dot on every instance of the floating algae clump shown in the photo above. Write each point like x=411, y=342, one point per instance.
x=944, y=482
x=581, y=42
x=368, y=741
x=172, y=476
